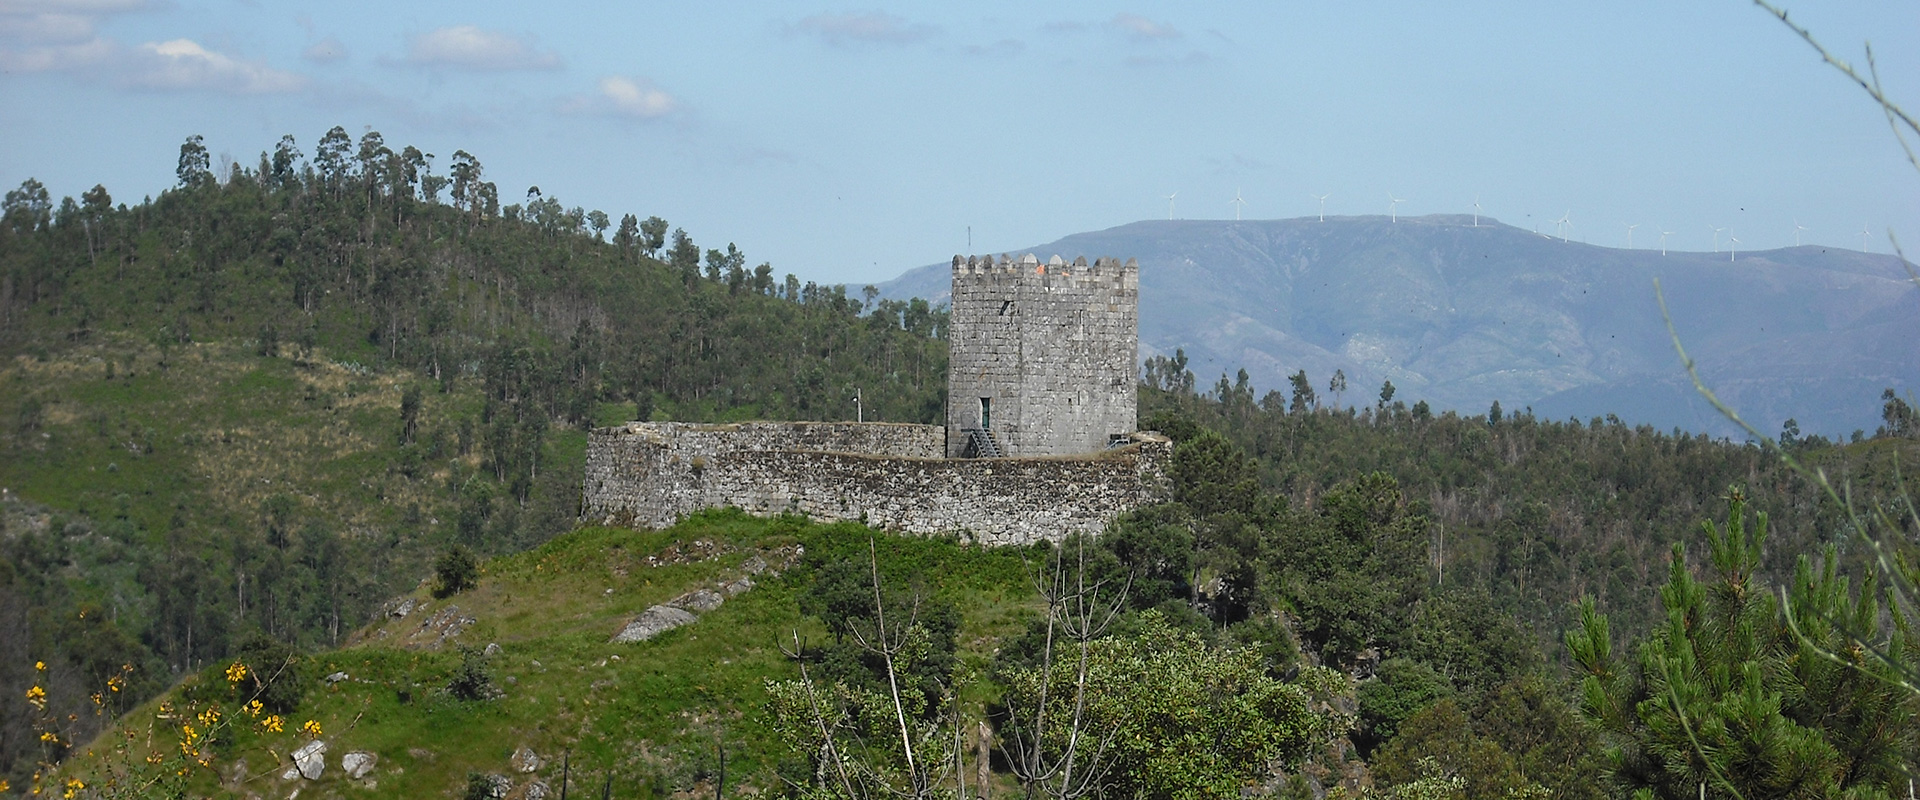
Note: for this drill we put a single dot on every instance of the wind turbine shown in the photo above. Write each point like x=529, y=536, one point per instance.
x=1392, y=204
x=1864, y=236
x=1323, y=204
x=1732, y=245
x=1716, y=238
x=1238, y=204
x=1170, y=204
x=1663, y=241
x=1797, y=228
x=1566, y=224
x=1630, y=234
x=1476, y=211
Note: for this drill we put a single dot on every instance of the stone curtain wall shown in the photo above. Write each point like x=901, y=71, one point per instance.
x=866, y=438
x=654, y=474
x=1056, y=347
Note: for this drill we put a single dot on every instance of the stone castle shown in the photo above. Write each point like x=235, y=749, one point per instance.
x=1043, y=360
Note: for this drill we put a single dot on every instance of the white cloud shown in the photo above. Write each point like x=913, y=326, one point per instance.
x=53, y=57
x=863, y=27
x=1143, y=29
x=45, y=35
x=470, y=47
x=60, y=35
x=621, y=96
x=637, y=98
x=184, y=64
x=325, y=51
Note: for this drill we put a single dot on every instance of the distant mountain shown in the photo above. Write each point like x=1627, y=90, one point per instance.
x=1463, y=315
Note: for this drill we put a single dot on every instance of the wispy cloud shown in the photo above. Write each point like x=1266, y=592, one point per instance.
x=474, y=48
x=172, y=65
x=1237, y=164
x=58, y=21
x=1192, y=58
x=325, y=51
x=183, y=64
x=1005, y=48
x=1142, y=29
x=621, y=96
x=47, y=35
x=56, y=57
x=863, y=27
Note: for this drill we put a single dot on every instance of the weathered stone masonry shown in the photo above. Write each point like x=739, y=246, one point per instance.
x=1046, y=356
x=1042, y=373
x=654, y=474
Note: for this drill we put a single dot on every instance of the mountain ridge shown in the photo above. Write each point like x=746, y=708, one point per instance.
x=1462, y=315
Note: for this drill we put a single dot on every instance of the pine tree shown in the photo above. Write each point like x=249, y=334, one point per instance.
x=1723, y=694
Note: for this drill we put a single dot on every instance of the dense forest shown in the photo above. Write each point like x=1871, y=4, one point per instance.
x=1536, y=513
x=241, y=415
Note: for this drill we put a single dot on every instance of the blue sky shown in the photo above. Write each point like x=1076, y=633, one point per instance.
x=847, y=144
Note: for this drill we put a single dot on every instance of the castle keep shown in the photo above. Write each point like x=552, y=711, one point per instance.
x=1039, y=441
x=1042, y=358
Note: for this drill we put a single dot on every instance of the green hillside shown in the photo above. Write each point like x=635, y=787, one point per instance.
x=265, y=401
x=248, y=421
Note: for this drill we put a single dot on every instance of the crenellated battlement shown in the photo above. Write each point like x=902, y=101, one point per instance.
x=1055, y=267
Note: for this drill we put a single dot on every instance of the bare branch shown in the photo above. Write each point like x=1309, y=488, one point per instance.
x=1896, y=116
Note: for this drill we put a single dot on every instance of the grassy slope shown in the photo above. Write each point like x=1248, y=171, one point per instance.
x=192, y=441
x=648, y=712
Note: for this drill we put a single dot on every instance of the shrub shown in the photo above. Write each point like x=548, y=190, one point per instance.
x=457, y=571
x=274, y=673
x=473, y=680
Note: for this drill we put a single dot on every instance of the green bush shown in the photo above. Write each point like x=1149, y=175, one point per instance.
x=457, y=571
x=473, y=680
x=275, y=675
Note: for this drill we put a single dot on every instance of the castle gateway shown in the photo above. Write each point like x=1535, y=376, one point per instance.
x=1039, y=442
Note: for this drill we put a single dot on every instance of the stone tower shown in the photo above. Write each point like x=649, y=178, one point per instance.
x=1043, y=359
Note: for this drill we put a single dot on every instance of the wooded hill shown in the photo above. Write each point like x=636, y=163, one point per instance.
x=264, y=400
x=242, y=414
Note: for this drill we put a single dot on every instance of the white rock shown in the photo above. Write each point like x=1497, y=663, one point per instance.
x=524, y=760
x=358, y=763
x=311, y=758
x=336, y=677
x=653, y=622
x=493, y=649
